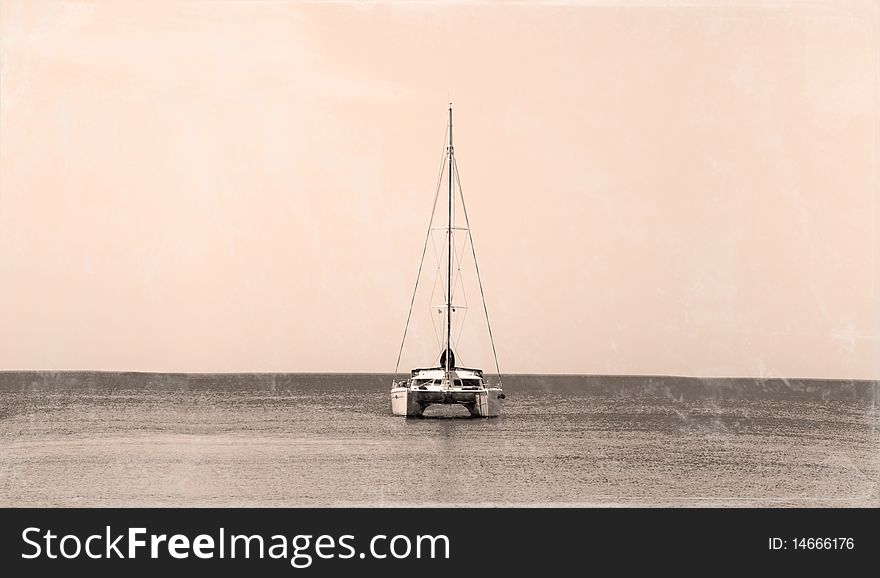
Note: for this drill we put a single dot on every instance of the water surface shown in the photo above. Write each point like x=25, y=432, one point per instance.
x=89, y=439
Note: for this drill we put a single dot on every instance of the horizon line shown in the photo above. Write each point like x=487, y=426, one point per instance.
x=377, y=373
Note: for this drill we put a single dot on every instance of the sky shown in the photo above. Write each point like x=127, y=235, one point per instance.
x=653, y=188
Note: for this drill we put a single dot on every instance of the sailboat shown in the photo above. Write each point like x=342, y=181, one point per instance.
x=447, y=382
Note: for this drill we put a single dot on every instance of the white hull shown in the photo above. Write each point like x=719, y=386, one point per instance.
x=412, y=402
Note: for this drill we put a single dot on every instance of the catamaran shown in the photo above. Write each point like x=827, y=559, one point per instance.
x=447, y=382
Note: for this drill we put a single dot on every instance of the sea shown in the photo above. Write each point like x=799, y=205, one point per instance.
x=150, y=439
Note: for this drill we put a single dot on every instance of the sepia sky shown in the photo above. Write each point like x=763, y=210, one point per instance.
x=654, y=188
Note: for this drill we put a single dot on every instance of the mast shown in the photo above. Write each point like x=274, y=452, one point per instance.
x=449, y=259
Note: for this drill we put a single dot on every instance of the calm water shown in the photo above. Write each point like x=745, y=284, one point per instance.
x=303, y=440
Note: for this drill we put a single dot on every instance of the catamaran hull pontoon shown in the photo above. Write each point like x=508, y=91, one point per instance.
x=413, y=402
x=434, y=386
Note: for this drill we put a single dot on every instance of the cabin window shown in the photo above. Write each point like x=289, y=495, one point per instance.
x=472, y=382
x=457, y=383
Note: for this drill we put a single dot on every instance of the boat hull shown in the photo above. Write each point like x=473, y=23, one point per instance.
x=412, y=402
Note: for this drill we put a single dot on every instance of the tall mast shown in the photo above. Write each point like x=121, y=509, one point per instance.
x=449, y=258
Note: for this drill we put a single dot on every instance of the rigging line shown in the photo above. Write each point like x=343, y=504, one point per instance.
x=463, y=292
x=477, y=267
x=434, y=246
x=457, y=286
x=438, y=256
x=457, y=268
x=434, y=290
x=431, y=300
x=437, y=272
x=456, y=277
x=434, y=327
x=431, y=234
x=424, y=250
x=458, y=289
x=459, y=260
x=461, y=328
x=463, y=249
x=463, y=317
